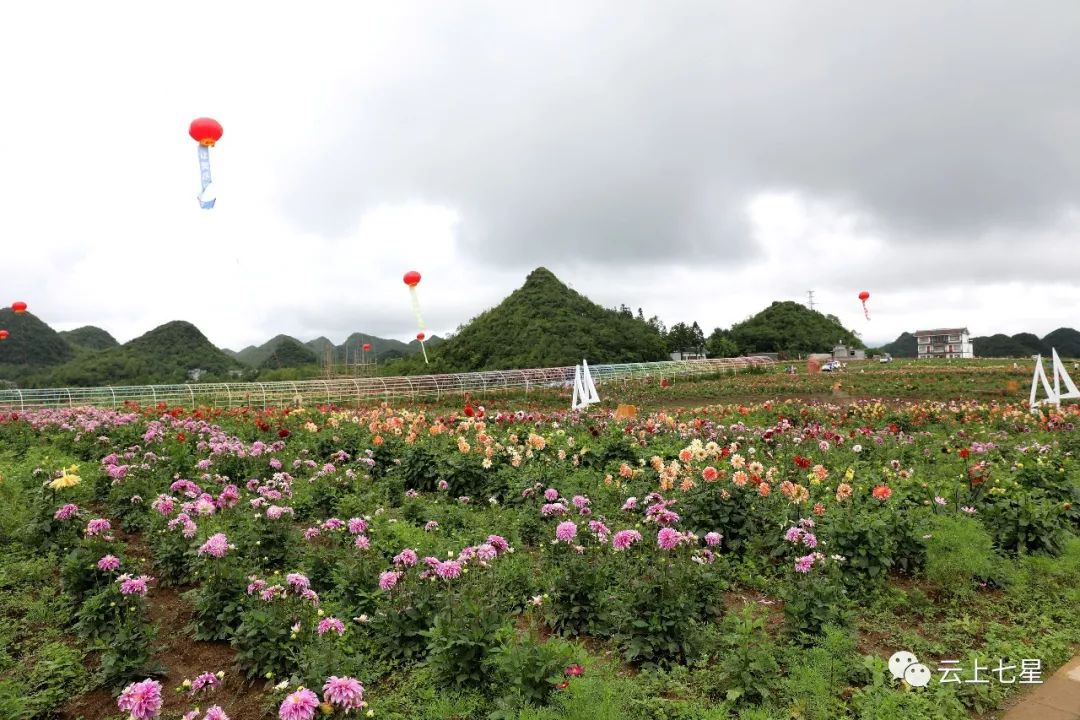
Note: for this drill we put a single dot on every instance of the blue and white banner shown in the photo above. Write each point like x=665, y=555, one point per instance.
x=206, y=199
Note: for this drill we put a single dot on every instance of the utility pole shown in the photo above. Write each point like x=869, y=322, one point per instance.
x=810, y=294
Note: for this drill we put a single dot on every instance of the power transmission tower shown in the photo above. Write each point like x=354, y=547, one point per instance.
x=810, y=294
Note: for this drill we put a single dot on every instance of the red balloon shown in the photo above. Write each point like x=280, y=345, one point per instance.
x=3, y=334
x=864, y=296
x=206, y=131
x=19, y=307
x=367, y=346
x=420, y=337
x=412, y=278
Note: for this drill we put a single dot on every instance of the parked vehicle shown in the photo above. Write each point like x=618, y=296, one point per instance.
x=886, y=357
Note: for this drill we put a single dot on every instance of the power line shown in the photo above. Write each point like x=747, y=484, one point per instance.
x=810, y=294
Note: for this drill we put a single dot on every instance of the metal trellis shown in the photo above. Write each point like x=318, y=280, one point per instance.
x=358, y=390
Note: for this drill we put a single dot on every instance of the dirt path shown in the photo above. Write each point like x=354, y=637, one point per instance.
x=183, y=658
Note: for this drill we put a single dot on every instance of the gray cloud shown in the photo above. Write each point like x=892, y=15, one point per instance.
x=635, y=132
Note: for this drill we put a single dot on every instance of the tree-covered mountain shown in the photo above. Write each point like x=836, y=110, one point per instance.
x=31, y=346
x=543, y=324
x=350, y=351
x=256, y=355
x=905, y=346
x=165, y=355
x=30, y=342
x=1065, y=340
x=89, y=337
x=319, y=345
x=381, y=348
x=1032, y=344
x=791, y=328
x=288, y=353
x=1001, y=345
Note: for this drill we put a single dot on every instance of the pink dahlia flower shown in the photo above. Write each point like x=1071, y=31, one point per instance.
x=346, y=693
x=141, y=699
x=300, y=705
x=566, y=531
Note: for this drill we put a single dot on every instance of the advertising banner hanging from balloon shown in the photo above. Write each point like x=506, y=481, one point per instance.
x=412, y=279
x=206, y=132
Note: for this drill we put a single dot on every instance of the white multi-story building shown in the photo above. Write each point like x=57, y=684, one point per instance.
x=945, y=343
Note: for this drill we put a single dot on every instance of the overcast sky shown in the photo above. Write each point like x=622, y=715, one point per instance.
x=694, y=159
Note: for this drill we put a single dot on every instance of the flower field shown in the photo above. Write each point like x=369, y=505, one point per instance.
x=758, y=560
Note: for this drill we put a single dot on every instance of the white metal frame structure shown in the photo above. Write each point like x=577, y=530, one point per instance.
x=344, y=391
x=1054, y=396
x=584, y=388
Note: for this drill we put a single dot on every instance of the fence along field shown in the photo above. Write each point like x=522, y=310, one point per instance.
x=357, y=390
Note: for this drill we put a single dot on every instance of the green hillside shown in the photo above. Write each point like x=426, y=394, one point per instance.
x=319, y=345
x=352, y=348
x=905, y=346
x=542, y=324
x=256, y=356
x=251, y=355
x=1065, y=340
x=89, y=338
x=259, y=356
x=381, y=348
x=162, y=356
x=792, y=328
x=31, y=342
x=1002, y=345
x=1031, y=343
x=288, y=353
x=31, y=346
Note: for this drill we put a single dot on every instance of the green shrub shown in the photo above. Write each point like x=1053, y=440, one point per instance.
x=739, y=517
x=883, y=699
x=79, y=574
x=747, y=664
x=1027, y=523
x=218, y=604
x=818, y=675
x=654, y=611
x=459, y=643
x=578, y=582
x=173, y=556
x=958, y=552
x=41, y=530
x=13, y=705
x=126, y=655
x=401, y=624
x=45, y=683
x=868, y=541
x=816, y=600
x=586, y=698
x=527, y=670
x=264, y=643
